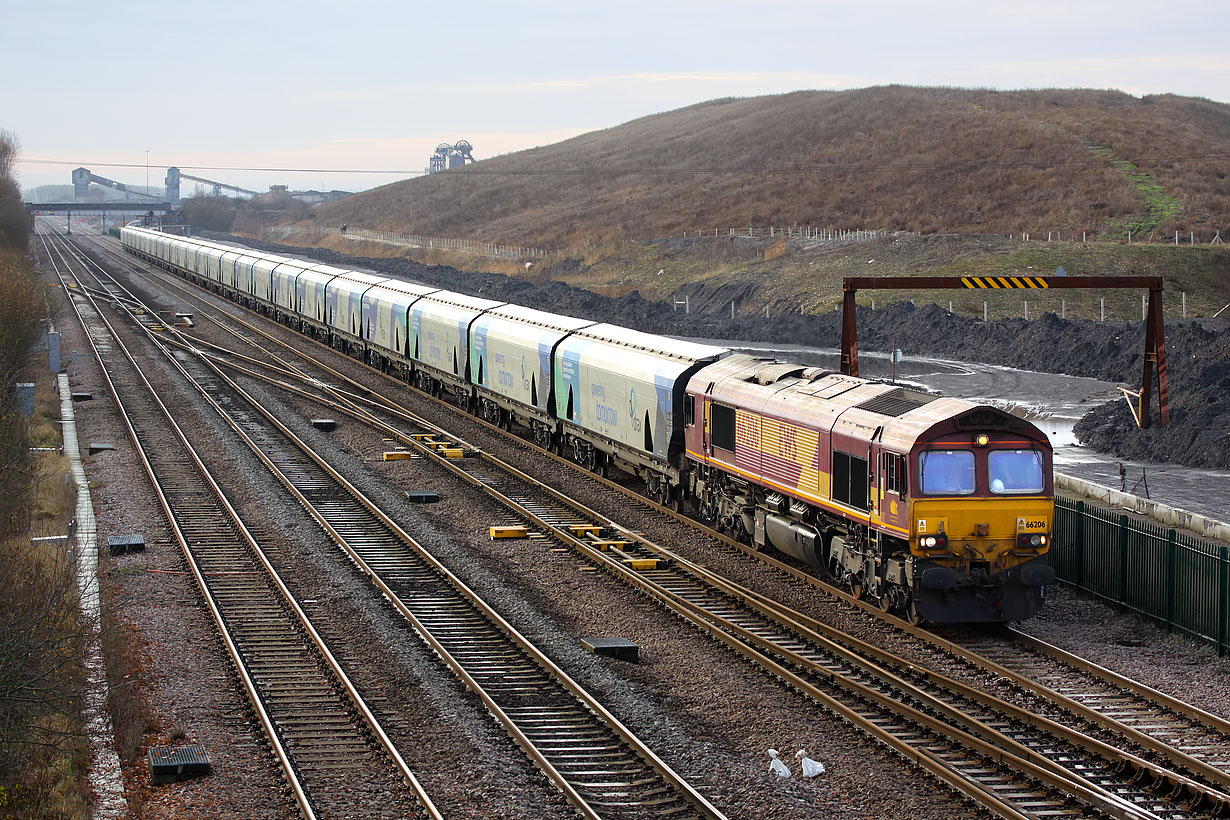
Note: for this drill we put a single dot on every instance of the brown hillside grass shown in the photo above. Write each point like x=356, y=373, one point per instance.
x=920, y=159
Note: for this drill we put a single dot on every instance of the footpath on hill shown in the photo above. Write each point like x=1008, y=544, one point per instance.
x=1198, y=351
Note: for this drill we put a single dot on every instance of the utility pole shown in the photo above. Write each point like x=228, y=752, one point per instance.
x=146, y=170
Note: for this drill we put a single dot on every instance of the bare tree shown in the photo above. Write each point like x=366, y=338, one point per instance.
x=14, y=222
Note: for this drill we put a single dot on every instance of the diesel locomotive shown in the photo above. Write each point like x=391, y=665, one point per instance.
x=936, y=508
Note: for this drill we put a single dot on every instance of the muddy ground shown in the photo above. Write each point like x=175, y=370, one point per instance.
x=1197, y=351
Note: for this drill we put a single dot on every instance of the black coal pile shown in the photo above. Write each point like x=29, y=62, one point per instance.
x=1198, y=352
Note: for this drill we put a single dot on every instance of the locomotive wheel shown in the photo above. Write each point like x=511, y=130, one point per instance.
x=855, y=584
x=911, y=614
x=885, y=601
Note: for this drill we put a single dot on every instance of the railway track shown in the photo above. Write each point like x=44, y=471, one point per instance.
x=598, y=764
x=1044, y=741
x=321, y=731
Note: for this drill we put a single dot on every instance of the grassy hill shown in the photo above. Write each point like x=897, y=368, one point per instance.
x=934, y=160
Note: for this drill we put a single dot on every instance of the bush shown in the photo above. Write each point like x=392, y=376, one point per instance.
x=14, y=221
x=210, y=213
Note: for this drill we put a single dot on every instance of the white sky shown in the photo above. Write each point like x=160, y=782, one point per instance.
x=377, y=85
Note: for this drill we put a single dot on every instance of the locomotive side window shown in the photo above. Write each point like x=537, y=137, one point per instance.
x=722, y=426
x=894, y=473
x=850, y=479
x=947, y=472
x=689, y=411
x=1016, y=471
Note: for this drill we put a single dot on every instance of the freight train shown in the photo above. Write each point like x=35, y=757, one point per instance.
x=936, y=508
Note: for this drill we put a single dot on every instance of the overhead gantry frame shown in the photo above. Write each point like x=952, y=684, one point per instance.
x=1155, y=331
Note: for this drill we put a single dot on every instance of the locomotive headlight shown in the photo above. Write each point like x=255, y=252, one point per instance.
x=1036, y=540
x=982, y=440
x=929, y=541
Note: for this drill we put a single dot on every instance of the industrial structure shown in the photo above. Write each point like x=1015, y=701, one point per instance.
x=82, y=177
x=174, y=175
x=450, y=156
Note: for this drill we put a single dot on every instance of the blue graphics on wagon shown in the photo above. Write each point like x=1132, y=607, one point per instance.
x=622, y=384
x=511, y=349
x=441, y=327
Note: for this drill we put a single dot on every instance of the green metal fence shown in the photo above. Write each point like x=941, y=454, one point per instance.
x=1178, y=581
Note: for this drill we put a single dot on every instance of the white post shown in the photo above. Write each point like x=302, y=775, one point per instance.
x=1063, y=308
x=1143, y=309
x=873, y=304
x=770, y=231
x=1129, y=237
x=732, y=308
x=1176, y=237
x=687, y=304
x=1027, y=309
x=1082, y=237
x=950, y=306
x=1102, y=302
x=1184, y=304
x=984, y=311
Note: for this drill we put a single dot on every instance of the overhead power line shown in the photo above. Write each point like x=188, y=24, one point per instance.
x=831, y=168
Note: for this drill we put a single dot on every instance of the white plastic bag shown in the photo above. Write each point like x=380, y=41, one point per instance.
x=810, y=767
x=776, y=766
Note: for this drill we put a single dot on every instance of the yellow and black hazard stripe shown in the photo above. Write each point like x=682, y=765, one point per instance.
x=1004, y=282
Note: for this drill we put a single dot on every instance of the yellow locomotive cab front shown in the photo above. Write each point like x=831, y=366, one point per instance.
x=980, y=529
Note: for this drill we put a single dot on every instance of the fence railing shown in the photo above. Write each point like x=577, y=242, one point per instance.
x=1178, y=581
x=411, y=241
x=1139, y=238
x=799, y=232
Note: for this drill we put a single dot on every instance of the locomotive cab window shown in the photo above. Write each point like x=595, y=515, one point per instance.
x=689, y=411
x=1015, y=471
x=722, y=426
x=947, y=472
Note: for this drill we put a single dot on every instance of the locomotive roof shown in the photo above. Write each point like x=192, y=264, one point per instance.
x=814, y=396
